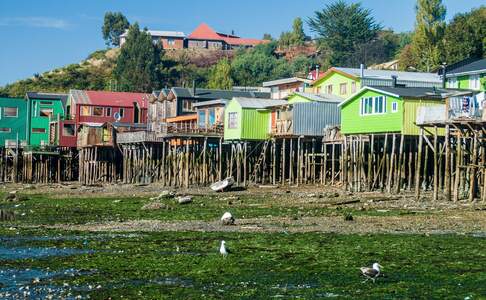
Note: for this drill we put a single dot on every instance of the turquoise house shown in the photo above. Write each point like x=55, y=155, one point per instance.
x=13, y=120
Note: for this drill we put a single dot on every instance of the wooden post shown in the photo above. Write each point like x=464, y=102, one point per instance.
x=447, y=170
x=473, y=163
x=392, y=160
x=436, y=167
x=419, y=165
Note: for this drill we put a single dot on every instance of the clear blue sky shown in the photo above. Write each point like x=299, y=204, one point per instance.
x=38, y=36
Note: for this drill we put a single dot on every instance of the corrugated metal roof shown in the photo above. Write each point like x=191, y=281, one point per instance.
x=320, y=97
x=106, y=98
x=211, y=94
x=285, y=81
x=478, y=66
x=210, y=102
x=258, y=103
x=412, y=92
x=387, y=74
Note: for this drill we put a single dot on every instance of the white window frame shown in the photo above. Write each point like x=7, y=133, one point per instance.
x=373, y=106
x=16, y=112
x=474, y=82
x=8, y=130
x=394, y=107
x=343, y=88
x=232, y=120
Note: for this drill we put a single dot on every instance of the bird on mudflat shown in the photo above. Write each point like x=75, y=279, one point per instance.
x=223, y=249
x=371, y=273
x=227, y=219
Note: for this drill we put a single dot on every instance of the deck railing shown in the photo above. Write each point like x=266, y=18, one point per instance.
x=283, y=127
x=465, y=108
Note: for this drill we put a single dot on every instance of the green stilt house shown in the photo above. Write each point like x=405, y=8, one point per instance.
x=42, y=108
x=13, y=121
x=249, y=118
x=390, y=109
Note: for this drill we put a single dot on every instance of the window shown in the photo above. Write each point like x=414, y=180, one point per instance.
x=353, y=87
x=45, y=112
x=46, y=102
x=85, y=110
x=373, y=105
x=68, y=129
x=232, y=120
x=38, y=130
x=11, y=112
x=379, y=106
x=187, y=105
x=329, y=89
x=170, y=41
x=4, y=130
x=474, y=82
x=453, y=83
x=108, y=112
x=394, y=107
x=343, y=88
x=98, y=111
x=122, y=112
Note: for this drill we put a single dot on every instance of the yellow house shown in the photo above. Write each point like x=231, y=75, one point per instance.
x=344, y=82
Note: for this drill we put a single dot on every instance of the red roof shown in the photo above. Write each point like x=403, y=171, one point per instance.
x=106, y=98
x=204, y=32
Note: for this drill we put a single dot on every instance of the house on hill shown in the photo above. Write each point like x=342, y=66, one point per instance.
x=204, y=37
x=344, y=82
x=13, y=121
x=466, y=74
x=168, y=39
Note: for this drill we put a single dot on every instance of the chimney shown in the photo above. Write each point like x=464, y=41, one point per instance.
x=361, y=69
x=394, y=80
x=444, y=73
x=232, y=32
x=317, y=72
x=194, y=88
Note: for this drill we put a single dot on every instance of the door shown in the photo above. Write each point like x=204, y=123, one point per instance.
x=136, y=113
x=212, y=117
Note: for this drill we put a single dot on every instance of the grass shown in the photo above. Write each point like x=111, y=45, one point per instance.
x=309, y=265
x=262, y=265
x=45, y=209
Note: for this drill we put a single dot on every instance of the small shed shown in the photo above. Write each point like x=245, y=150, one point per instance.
x=96, y=135
x=249, y=118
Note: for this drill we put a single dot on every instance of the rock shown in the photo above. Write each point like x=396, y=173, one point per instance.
x=184, y=199
x=311, y=195
x=10, y=197
x=227, y=219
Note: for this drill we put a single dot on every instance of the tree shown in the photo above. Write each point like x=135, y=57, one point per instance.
x=220, y=76
x=138, y=65
x=465, y=36
x=428, y=34
x=341, y=29
x=297, y=35
x=267, y=37
x=115, y=24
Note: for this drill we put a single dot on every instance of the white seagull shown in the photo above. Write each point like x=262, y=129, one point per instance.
x=227, y=219
x=223, y=250
x=371, y=273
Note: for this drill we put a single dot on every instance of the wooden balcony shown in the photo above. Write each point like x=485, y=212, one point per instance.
x=130, y=137
x=283, y=128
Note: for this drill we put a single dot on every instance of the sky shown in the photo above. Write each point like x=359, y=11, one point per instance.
x=39, y=36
